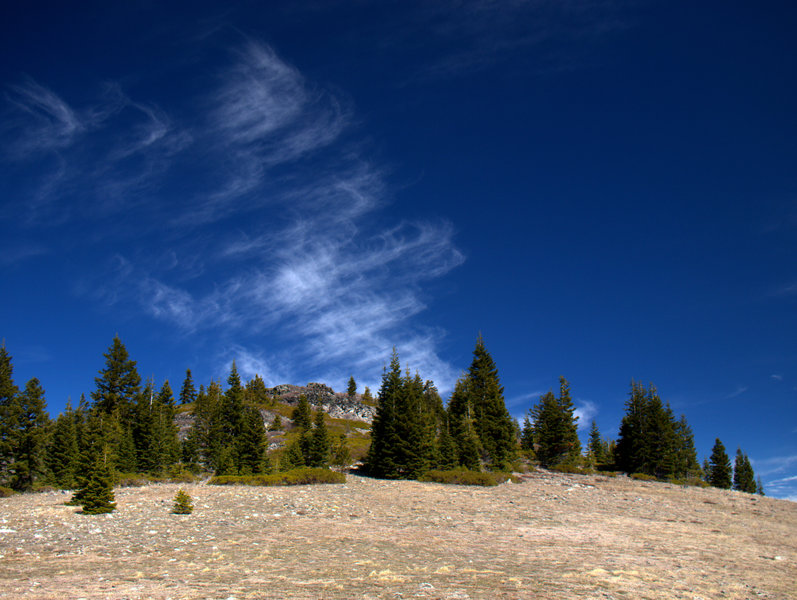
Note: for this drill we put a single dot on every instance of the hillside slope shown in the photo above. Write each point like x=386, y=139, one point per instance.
x=551, y=536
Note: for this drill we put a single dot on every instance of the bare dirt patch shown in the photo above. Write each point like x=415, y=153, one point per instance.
x=552, y=536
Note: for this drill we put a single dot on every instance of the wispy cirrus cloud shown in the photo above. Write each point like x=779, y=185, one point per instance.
x=262, y=115
x=310, y=281
x=92, y=161
x=473, y=35
x=741, y=389
x=41, y=121
x=586, y=410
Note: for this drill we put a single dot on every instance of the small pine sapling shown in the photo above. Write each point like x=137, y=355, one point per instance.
x=182, y=503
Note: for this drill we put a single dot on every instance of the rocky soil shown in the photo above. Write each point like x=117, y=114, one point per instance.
x=551, y=536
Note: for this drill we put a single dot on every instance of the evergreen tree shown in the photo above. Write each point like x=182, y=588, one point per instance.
x=293, y=456
x=252, y=443
x=28, y=437
x=527, y=435
x=182, y=503
x=198, y=447
x=686, y=465
x=462, y=427
x=743, y=475
x=651, y=440
x=596, y=447
x=257, y=392
x=720, y=467
x=555, y=428
x=302, y=416
x=341, y=455
x=63, y=450
x=415, y=428
x=276, y=424
x=447, y=456
x=227, y=426
x=383, y=451
x=492, y=421
x=319, y=445
x=760, y=487
x=352, y=388
x=96, y=497
x=9, y=412
x=118, y=384
x=367, y=397
x=160, y=445
x=188, y=392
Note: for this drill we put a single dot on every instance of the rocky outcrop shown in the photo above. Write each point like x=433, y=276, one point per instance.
x=322, y=397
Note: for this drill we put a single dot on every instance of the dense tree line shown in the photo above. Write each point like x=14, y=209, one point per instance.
x=128, y=426
x=412, y=432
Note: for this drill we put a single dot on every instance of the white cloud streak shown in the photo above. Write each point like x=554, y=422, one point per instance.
x=47, y=122
x=737, y=392
x=585, y=411
x=308, y=263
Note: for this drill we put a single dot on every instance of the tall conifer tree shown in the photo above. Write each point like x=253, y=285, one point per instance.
x=188, y=392
x=29, y=437
x=63, y=450
x=9, y=412
x=491, y=419
x=382, y=453
x=118, y=384
x=719, y=467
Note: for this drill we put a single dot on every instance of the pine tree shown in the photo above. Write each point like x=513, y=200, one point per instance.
x=462, y=427
x=159, y=446
x=301, y=416
x=227, y=425
x=720, y=467
x=276, y=424
x=651, y=440
x=743, y=475
x=447, y=456
x=252, y=443
x=29, y=437
x=256, y=391
x=382, y=453
x=293, y=456
x=182, y=503
x=63, y=450
x=188, y=392
x=118, y=384
x=415, y=428
x=96, y=496
x=367, y=397
x=555, y=428
x=341, y=455
x=352, y=388
x=9, y=412
x=595, y=447
x=686, y=465
x=319, y=444
x=759, y=487
x=491, y=419
x=527, y=435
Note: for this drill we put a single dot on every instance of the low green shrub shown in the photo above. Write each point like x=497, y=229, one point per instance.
x=300, y=476
x=465, y=477
x=571, y=469
x=6, y=492
x=182, y=503
x=642, y=477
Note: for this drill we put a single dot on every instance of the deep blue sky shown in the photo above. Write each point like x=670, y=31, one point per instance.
x=605, y=190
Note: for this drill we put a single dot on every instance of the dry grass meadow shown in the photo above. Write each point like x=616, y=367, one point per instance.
x=551, y=536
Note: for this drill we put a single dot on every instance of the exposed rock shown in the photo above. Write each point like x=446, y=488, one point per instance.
x=320, y=396
x=323, y=397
